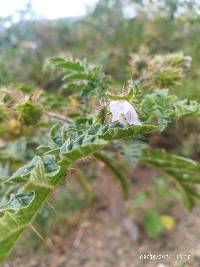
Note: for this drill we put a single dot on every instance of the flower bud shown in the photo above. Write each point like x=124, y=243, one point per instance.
x=28, y=112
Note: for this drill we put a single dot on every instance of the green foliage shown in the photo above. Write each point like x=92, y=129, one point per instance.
x=80, y=131
x=161, y=107
x=82, y=134
x=168, y=77
x=117, y=131
x=185, y=172
x=105, y=36
x=131, y=149
x=159, y=71
x=29, y=112
x=152, y=223
x=22, y=174
x=158, y=198
x=18, y=201
x=42, y=174
x=12, y=223
x=101, y=116
x=68, y=64
x=85, y=79
x=71, y=151
x=158, y=107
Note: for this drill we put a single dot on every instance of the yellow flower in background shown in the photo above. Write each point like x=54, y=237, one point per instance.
x=73, y=104
x=167, y=222
x=14, y=126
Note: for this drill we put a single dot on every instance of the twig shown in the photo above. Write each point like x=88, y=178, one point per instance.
x=59, y=117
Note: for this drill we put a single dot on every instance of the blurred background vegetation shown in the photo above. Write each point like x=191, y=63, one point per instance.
x=107, y=35
x=123, y=36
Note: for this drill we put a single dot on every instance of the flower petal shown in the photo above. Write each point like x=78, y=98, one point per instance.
x=123, y=112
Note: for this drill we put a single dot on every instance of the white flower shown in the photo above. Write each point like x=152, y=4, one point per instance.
x=123, y=112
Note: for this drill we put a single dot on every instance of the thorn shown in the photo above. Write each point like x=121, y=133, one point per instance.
x=51, y=206
x=37, y=233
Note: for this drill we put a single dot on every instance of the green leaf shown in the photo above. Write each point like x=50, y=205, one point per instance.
x=116, y=130
x=19, y=200
x=130, y=149
x=88, y=89
x=23, y=173
x=40, y=177
x=58, y=134
x=124, y=132
x=152, y=223
x=82, y=77
x=67, y=64
x=158, y=107
x=78, y=76
x=82, y=146
x=22, y=207
x=185, y=172
x=162, y=107
x=185, y=107
x=43, y=179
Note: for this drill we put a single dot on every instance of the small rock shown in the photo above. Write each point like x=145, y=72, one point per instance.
x=33, y=263
x=132, y=229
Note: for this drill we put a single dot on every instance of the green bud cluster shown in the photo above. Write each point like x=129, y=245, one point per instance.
x=28, y=112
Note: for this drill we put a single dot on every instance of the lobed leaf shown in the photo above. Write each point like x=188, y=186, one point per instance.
x=20, y=210
x=161, y=107
x=185, y=172
x=78, y=76
x=42, y=174
x=81, y=147
x=19, y=200
x=67, y=64
x=116, y=130
x=21, y=175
